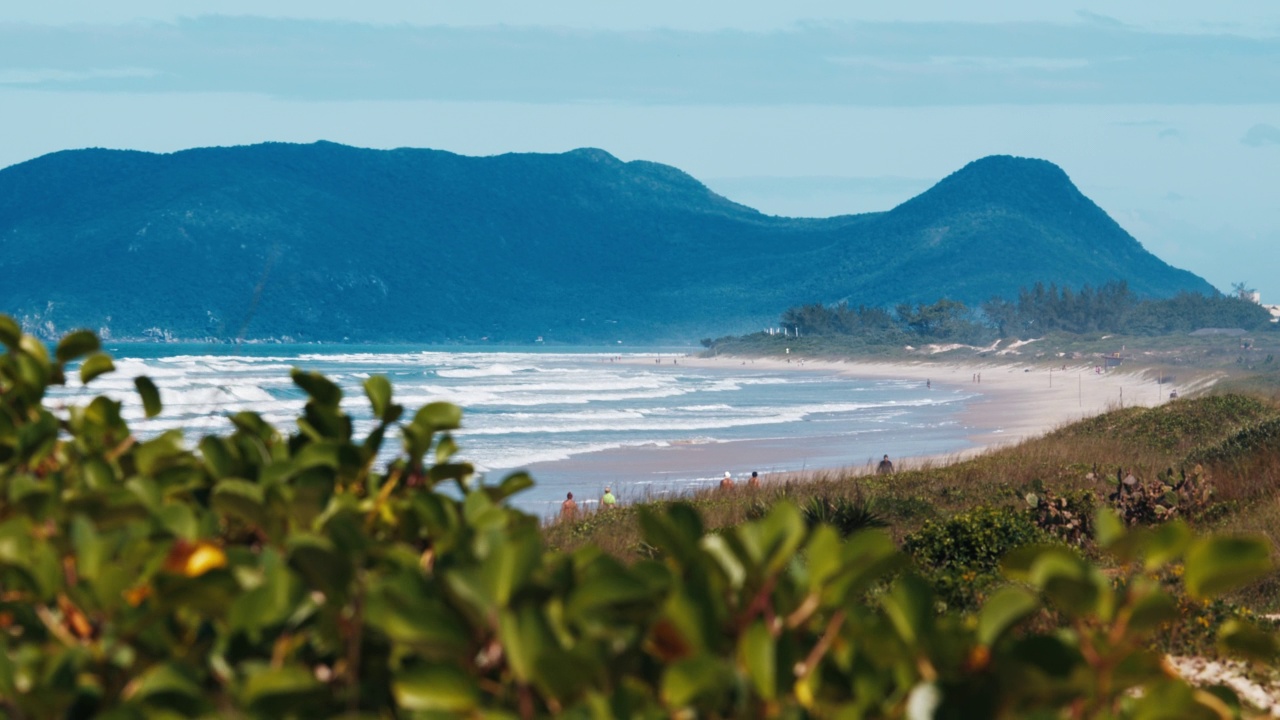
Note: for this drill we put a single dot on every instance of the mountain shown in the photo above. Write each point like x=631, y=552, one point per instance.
x=328, y=242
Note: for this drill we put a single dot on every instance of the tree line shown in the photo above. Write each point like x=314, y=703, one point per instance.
x=1035, y=312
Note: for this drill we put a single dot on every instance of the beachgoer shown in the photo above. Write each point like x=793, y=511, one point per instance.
x=885, y=467
x=568, y=508
x=928, y=384
x=754, y=482
x=607, y=501
x=727, y=482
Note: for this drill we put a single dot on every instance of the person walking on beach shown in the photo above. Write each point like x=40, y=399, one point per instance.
x=754, y=482
x=607, y=501
x=727, y=482
x=568, y=508
x=885, y=467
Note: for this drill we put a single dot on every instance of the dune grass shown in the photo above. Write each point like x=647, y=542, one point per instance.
x=1222, y=431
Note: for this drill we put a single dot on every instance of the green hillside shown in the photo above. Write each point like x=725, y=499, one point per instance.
x=328, y=242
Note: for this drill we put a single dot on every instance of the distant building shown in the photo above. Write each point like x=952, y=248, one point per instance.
x=1273, y=309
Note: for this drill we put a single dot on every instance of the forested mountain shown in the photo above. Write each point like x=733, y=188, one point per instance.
x=328, y=242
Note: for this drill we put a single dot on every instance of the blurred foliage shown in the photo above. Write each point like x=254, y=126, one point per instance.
x=273, y=575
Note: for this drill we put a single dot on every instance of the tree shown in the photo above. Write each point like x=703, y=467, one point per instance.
x=1242, y=290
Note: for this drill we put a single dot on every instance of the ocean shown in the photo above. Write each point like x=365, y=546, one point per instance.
x=579, y=420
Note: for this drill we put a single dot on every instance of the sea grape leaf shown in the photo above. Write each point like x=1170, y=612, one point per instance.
x=438, y=416
x=1242, y=638
x=150, y=395
x=685, y=681
x=378, y=389
x=756, y=653
x=75, y=345
x=1215, y=565
x=436, y=687
x=1004, y=609
x=10, y=333
x=1165, y=543
x=320, y=388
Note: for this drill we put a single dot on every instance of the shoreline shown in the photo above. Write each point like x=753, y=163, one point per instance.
x=1016, y=402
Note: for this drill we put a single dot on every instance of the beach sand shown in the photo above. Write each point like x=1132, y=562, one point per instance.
x=1016, y=402
x=1019, y=401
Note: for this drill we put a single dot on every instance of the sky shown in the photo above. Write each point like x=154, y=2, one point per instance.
x=1165, y=112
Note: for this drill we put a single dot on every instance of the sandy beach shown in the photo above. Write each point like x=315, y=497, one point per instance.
x=1019, y=400
x=1016, y=401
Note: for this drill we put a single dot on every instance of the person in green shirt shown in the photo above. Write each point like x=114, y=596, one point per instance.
x=608, y=501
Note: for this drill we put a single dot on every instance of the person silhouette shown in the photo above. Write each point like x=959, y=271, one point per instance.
x=885, y=467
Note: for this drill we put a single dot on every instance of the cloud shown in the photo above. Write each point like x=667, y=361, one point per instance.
x=852, y=64
x=1169, y=133
x=1100, y=20
x=1261, y=134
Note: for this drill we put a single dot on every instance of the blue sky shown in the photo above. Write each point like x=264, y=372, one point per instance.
x=1165, y=113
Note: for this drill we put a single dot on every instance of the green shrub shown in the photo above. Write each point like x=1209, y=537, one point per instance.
x=974, y=540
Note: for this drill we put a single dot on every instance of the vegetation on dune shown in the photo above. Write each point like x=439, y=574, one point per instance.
x=1036, y=312
x=282, y=575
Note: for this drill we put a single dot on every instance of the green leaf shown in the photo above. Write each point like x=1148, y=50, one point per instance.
x=1071, y=584
x=510, y=485
x=757, y=654
x=218, y=457
x=824, y=556
x=378, y=389
x=166, y=679
x=438, y=416
x=1170, y=700
x=274, y=689
x=1165, y=543
x=443, y=688
x=687, y=680
x=1108, y=527
x=241, y=499
x=781, y=533
x=150, y=395
x=1007, y=607
x=76, y=344
x=320, y=388
x=605, y=583
x=511, y=563
x=319, y=563
x=1152, y=610
x=10, y=332
x=446, y=449
x=95, y=365
x=526, y=638
x=1217, y=565
x=1250, y=641
x=33, y=347
x=909, y=606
